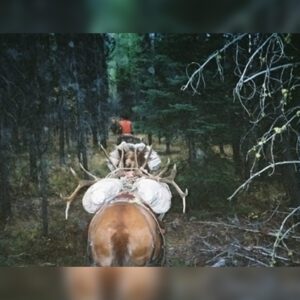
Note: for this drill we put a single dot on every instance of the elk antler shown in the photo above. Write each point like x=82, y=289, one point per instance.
x=171, y=180
x=107, y=156
x=147, y=158
x=165, y=169
x=136, y=164
x=81, y=184
x=121, y=162
x=87, y=172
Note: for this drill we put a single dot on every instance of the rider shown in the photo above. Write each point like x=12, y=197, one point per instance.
x=126, y=131
x=125, y=125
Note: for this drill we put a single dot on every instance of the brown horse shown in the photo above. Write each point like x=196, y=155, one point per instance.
x=126, y=232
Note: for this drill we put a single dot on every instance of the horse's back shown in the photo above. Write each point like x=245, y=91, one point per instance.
x=124, y=234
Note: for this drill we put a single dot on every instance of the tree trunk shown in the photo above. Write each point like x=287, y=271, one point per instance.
x=103, y=132
x=5, y=204
x=16, y=138
x=42, y=150
x=32, y=157
x=95, y=135
x=291, y=177
x=81, y=150
x=44, y=194
x=168, y=146
x=159, y=138
x=149, y=138
x=61, y=117
x=62, y=160
x=237, y=158
x=192, y=150
x=67, y=135
x=104, y=141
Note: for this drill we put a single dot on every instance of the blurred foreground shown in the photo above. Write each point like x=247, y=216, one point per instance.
x=148, y=283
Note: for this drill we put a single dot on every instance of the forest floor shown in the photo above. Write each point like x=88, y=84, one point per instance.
x=198, y=238
x=201, y=237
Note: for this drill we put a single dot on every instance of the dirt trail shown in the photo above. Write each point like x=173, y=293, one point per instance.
x=191, y=241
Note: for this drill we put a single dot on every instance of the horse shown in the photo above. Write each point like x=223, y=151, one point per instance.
x=125, y=232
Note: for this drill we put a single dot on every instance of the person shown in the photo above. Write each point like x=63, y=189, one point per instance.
x=125, y=125
x=126, y=132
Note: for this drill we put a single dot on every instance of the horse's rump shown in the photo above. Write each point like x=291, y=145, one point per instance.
x=125, y=233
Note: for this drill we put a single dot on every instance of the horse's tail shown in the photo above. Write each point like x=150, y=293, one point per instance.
x=120, y=248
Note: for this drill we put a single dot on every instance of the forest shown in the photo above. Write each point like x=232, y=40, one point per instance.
x=224, y=107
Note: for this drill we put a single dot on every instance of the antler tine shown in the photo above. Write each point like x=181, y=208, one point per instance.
x=135, y=158
x=81, y=184
x=184, y=201
x=147, y=158
x=136, y=167
x=174, y=171
x=107, y=156
x=74, y=173
x=165, y=169
x=179, y=190
x=67, y=209
x=87, y=172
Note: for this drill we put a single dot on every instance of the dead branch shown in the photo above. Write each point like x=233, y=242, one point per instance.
x=259, y=173
x=280, y=236
x=200, y=69
x=269, y=233
x=264, y=85
x=252, y=259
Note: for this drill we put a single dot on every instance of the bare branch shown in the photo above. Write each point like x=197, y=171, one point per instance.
x=259, y=173
x=198, y=72
x=270, y=70
x=280, y=236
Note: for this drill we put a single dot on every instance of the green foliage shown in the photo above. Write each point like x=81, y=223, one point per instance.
x=209, y=183
x=61, y=181
x=122, y=70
